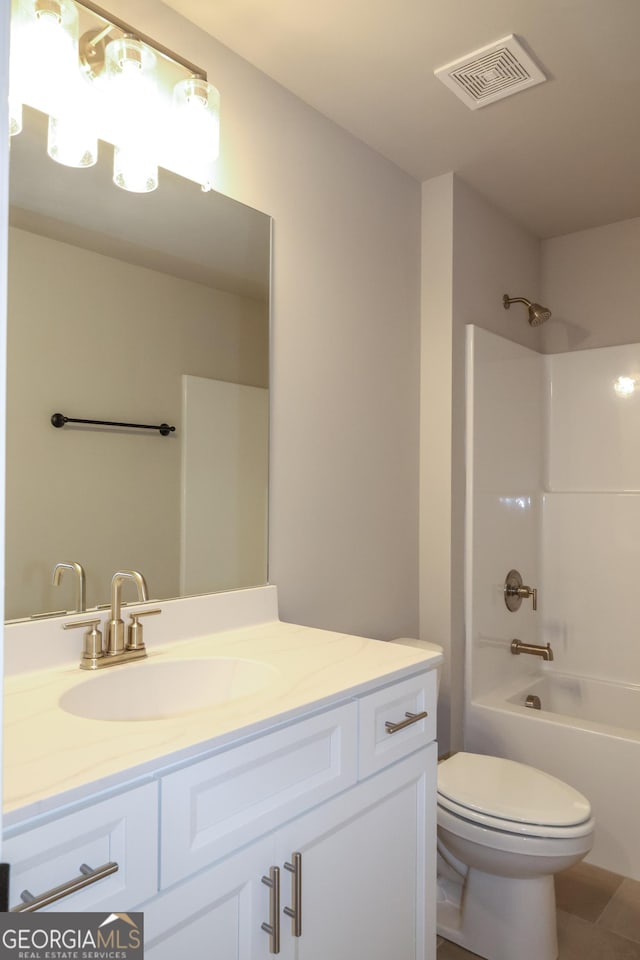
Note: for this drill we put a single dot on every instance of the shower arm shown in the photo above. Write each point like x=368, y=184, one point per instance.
x=507, y=301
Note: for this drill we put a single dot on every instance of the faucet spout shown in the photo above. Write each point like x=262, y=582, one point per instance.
x=115, y=626
x=116, y=589
x=536, y=649
x=81, y=588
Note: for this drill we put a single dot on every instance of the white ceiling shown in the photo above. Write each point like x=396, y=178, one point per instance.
x=559, y=157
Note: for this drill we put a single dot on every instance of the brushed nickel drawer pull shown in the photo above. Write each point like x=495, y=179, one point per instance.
x=273, y=927
x=88, y=876
x=295, y=911
x=391, y=727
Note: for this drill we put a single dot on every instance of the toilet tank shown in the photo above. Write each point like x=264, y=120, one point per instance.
x=422, y=645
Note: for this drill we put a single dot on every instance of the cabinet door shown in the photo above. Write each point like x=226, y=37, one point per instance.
x=216, y=915
x=368, y=869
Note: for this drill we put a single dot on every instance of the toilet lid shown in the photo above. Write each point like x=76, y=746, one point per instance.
x=584, y=829
x=506, y=790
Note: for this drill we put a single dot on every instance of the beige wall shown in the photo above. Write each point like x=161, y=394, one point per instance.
x=591, y=282
x=471, y=255
x=94, y=337
x=435, y=596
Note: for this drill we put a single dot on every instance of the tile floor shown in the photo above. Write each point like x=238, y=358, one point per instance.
x=598, y=917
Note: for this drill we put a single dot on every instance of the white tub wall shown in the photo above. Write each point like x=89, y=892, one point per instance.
x=592, y=514
x=505, y=466
x=593, y=430
x=471, y=255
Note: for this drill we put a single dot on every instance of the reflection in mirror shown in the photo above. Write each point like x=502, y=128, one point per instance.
x=143, y=308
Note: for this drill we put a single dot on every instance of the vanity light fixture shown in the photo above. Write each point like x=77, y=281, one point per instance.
x=98, y=78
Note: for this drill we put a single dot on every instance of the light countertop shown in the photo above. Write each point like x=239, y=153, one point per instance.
x=53, y=758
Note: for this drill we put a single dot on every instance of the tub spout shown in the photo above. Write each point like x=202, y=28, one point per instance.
x=536, y=649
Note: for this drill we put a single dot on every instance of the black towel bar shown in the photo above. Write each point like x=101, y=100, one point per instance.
x=59, y=420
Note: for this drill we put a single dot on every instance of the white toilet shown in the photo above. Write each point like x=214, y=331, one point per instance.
x=504, y=829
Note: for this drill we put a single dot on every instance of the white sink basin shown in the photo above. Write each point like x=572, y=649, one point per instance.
x=169, y=688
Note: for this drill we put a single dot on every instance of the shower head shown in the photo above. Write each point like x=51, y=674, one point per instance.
x=537, y=313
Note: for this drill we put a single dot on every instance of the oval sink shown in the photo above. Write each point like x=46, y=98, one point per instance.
x=157, y=691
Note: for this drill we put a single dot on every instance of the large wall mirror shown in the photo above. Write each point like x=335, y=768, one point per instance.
x=135, y=308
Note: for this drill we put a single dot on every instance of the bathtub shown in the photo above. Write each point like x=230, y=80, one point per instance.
x=587, y=732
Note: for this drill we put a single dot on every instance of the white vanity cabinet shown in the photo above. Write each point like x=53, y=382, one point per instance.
x=367, y=882
x=365, y=841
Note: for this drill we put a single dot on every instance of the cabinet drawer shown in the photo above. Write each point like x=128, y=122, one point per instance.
x=211, y=808
x=123, y=829
x=379, y=747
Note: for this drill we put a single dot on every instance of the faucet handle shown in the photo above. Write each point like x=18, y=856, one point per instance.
x=134, y=633
x=92, y=649
x=515, y=591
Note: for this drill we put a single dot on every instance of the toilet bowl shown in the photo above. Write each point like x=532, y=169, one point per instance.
x=504, y=829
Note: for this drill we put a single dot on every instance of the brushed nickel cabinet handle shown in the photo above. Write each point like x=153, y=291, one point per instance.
x=391, y=727
x=295, y=910
x=273, y=927
x=88, y=876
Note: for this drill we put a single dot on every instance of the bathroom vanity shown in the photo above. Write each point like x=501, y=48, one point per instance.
x=295, y=816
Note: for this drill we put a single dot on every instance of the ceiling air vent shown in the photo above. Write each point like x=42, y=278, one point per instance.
x=484, y=76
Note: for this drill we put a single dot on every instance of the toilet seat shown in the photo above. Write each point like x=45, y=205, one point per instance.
x=511, y=797
x=513, y=826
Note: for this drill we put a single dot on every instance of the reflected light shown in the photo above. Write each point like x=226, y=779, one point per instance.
x=521, y=503
x=624, y=386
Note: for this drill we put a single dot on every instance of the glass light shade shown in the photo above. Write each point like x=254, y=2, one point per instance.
x=197, y=112
x=71, y=142
x=134, y=169
x=131, y=93
x=44, y=52
x=130, y=75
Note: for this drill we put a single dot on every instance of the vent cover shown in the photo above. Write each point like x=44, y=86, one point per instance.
x=496, y=71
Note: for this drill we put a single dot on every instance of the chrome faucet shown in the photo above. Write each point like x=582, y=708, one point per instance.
x=115, y=625
x=81, y=581
x=517, y=646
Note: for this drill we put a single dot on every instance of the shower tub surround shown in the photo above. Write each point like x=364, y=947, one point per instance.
x=552, y=490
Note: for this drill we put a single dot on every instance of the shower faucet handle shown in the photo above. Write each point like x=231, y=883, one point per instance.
x=515, y=591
